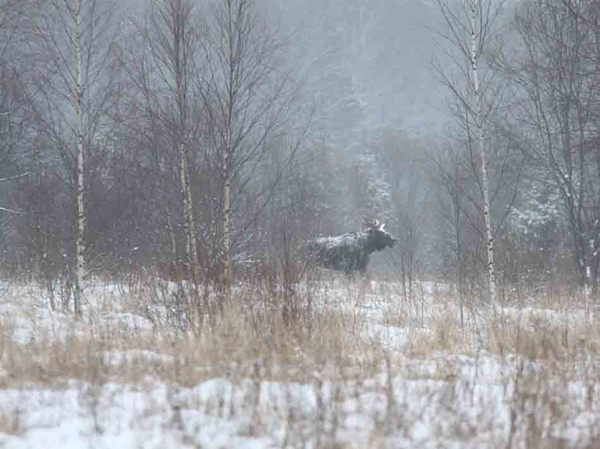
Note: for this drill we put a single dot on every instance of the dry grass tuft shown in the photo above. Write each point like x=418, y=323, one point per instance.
x=544, y=335
x=245, y=335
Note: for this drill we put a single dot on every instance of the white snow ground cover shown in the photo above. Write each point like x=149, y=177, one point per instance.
x=419, y=397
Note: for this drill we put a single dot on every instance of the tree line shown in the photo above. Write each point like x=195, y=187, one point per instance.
x=175, y=138
x=534, y=117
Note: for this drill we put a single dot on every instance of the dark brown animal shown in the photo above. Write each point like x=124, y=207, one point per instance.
x=350, y=252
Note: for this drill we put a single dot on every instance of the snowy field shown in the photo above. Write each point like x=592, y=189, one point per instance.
x=360, y=366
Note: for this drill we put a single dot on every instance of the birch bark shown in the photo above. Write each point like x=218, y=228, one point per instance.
x=182, y=61
x=480, y=125
x=80, y=244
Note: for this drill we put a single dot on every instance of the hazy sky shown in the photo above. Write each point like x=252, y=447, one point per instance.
x=379, y=51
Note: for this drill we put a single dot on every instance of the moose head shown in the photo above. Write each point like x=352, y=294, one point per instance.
x=377, y=237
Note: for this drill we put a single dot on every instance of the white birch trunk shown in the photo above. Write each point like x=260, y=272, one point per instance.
x=171, y=234
x=193, y=247
x=188, y=212
x=181, y=63
x=184, y=198
x=226, y=256
x=479, y=121
x=80, y=245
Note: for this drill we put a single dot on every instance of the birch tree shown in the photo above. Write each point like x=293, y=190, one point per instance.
x=166, y=75
x=247, y=95
x=470, y=26
x=72, y=89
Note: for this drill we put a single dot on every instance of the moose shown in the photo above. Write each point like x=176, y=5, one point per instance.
x=350, y=252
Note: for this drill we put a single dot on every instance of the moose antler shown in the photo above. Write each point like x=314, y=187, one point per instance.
x=373, y=224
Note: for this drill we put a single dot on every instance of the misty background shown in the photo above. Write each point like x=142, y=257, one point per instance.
x=348, y=110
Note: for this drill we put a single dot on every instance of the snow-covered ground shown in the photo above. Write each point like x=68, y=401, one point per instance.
x=432, y=383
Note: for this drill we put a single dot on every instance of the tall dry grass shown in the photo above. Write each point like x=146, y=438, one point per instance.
x=516, y=377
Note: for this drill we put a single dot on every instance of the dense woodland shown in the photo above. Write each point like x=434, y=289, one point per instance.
x=205, y=140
